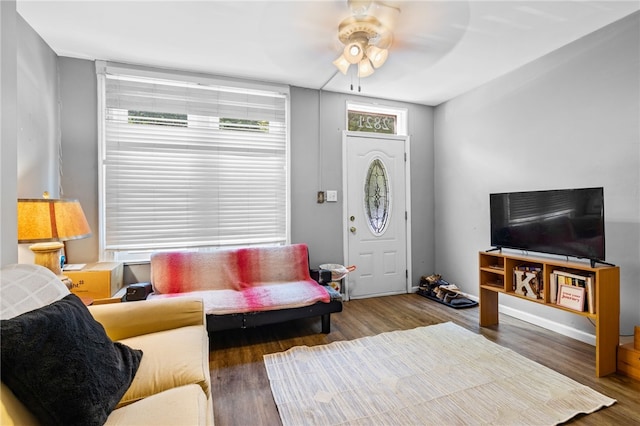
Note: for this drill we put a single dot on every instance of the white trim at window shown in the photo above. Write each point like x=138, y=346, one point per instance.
x=188, y=162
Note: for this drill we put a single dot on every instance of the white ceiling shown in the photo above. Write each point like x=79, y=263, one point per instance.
x=441, y=48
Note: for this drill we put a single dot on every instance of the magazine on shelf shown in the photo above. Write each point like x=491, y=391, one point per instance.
x=571, y=297
x=560, y=277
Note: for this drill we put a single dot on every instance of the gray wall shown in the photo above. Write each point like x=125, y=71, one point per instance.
x=38, y=118
x=30, y=124
x=8, y=132
x=38, y=165
x=569, y=119
x=78, y=121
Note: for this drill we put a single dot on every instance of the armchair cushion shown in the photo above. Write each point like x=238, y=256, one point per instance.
x=61, y=364
x=183, y=405
x=125, y=320
x=166, y=364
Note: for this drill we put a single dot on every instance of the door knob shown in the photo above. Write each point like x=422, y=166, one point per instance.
x=353, y=229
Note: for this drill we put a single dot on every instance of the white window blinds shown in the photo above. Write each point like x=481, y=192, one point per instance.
x=188, y=164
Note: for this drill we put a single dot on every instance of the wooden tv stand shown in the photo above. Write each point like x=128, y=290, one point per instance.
x=496, y=272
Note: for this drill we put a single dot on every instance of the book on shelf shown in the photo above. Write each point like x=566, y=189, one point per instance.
x=531, y=268
x=572, y=297
x=591, y=298
x=528, y=282
x=560, y=278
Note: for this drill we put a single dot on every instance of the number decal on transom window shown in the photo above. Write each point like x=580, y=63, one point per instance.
x=372, y=122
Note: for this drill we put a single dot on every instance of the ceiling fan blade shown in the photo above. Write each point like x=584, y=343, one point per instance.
x=311, y=43
x=434, y=19
x=427, y=31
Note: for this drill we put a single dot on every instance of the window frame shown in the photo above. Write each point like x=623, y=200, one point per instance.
x=103, y=68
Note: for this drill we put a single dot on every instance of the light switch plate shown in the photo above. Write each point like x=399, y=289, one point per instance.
x=332, y=196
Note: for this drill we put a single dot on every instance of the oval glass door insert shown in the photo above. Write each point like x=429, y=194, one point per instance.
x=376, y=197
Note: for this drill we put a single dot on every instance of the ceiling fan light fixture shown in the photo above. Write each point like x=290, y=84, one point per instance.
x=365, y=69
x=366, y=39
x=353, y=52
x=377, y=56
x=342, y=64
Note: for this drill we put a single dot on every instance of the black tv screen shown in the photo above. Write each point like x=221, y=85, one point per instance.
x=568, y=222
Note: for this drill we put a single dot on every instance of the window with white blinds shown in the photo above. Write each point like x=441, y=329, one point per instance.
x=190, y=165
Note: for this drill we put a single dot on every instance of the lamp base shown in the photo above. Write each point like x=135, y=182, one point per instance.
x=48, y=255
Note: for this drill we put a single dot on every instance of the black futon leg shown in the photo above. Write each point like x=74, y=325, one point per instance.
x=326, y=323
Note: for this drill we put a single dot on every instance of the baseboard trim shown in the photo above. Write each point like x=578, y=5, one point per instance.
x=549, y=325
x=559, y=328
x=545, y=323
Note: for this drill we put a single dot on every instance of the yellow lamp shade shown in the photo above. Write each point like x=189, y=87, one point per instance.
x=47, y=220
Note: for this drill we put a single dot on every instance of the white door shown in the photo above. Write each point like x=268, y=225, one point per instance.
x=376, y=207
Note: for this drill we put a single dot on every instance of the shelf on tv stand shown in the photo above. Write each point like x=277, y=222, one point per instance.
x=496, y=277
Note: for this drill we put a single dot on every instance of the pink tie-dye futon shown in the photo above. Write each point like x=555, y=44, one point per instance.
x=239, y=280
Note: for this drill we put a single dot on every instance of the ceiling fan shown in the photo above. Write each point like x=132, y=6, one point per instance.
x=416, y=33
x=366, y=35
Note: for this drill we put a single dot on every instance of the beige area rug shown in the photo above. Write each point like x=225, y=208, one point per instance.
x=437, y=375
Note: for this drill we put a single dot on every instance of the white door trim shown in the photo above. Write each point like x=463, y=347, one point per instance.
x=407, y=186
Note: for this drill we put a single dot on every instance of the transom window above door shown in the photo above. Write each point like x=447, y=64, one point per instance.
x=376, y=119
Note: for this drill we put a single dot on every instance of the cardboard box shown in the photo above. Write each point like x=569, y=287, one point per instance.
x=96, y=280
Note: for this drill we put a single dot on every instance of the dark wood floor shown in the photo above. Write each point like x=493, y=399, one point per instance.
x=240, y=387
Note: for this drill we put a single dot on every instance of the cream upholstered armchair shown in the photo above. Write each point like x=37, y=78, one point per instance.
x=119, y=363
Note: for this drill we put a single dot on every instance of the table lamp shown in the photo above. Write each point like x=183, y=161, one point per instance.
x=47, y=222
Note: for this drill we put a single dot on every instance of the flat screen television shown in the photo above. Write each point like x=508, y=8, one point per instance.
x=568, y=222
